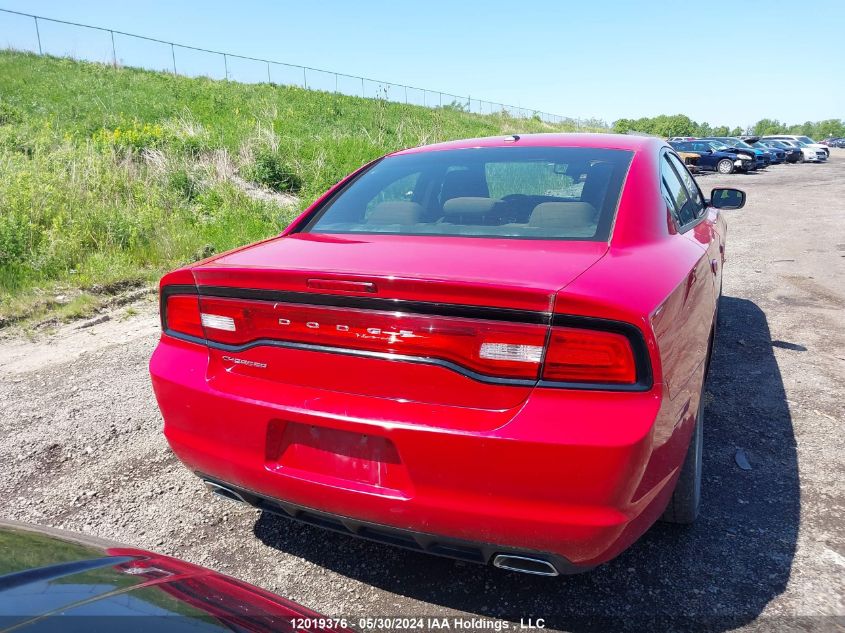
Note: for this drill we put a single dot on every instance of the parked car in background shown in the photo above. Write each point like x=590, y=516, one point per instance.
x=713, y=156
x=778, y=155
x=793, y=152
x=804, y=140
x=691, y=161
x=762, y=157
x=490, y=349
x=840, y=142
x=809, y=154
x=52, y=580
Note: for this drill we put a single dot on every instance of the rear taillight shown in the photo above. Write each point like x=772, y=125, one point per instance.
x=496, y=349
x=183, y=315
x=492, y=348
x=589, y=356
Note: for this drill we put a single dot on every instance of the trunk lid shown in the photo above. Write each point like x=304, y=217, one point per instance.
x=507, y=273
x=389, y=285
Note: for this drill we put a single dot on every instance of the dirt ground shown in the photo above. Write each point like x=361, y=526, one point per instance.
x=82, y=449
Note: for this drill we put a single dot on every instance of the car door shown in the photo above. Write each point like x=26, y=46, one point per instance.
x=704, y=225
x=686, y=323
x=707, y=160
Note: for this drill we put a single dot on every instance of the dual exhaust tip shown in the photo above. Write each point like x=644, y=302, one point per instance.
x=510, y=562
x=524, y=565
x=223, y=491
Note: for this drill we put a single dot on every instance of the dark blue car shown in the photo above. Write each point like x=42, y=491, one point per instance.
x=763, y=157
x=714, y=156
x=793, y=153
x=778, y=156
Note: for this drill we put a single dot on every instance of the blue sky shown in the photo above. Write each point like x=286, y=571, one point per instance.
x=728, y=63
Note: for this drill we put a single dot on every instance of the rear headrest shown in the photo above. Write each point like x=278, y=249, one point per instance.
x=464, y=182
x=563, y=215
x=469, y=206
x=396, y=212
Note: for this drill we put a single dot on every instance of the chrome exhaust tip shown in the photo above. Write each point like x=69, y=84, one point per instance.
x=223, y=491
x=525, y=565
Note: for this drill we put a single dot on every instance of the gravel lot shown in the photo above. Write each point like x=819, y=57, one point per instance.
x=82, y=449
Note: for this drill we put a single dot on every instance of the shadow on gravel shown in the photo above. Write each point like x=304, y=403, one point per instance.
x=715, y=575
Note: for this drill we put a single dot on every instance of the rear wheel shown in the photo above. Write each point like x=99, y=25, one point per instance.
x=725, y=166
x=683, y=506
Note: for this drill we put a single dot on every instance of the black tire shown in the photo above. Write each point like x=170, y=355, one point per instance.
x=725, y=166
x=686, y=499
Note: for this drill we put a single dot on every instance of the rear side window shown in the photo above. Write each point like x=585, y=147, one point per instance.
x=516, y=192
x=682, y=194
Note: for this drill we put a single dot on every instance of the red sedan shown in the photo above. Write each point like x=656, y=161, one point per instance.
x=492, y=349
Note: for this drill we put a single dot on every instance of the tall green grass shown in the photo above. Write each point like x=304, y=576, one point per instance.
x=108, y=177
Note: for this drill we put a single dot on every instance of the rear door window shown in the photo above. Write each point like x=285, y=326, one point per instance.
x=684, y=198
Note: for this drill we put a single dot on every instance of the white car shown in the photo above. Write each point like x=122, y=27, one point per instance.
x=800, y=140
x=809, y=153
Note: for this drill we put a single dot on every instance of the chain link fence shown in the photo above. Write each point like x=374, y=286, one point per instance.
x=38, y=34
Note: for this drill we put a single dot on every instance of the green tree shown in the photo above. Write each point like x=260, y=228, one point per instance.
x=622, y=126
x=768, y=126
x=830, y=127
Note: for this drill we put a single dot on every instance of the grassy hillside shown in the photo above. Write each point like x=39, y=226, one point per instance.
x=109, y=177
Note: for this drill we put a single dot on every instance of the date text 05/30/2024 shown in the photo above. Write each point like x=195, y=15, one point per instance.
x=420, y=624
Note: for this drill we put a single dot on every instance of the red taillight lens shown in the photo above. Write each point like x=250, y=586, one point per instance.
x=589, y=356
x=493, y=348
x=490, y=348
x=183, y=315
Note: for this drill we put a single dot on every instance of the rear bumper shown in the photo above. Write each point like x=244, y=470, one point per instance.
x=576, y=476
x=436, y=544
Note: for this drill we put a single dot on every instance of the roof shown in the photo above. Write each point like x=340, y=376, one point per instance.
x=601, y=141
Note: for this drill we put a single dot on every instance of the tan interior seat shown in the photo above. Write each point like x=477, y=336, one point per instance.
x=563, y=215
x=395, y=212
x=468, y=210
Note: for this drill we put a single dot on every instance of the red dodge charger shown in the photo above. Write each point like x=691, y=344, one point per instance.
x=492, y=350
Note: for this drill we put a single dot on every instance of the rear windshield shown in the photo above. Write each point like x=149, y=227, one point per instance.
x=518, y=192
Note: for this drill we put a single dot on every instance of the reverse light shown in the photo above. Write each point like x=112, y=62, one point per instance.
x=217, y=322
x=512, y=352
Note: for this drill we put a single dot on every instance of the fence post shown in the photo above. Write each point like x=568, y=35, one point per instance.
x=269, y=81
x=225, y=67
x=173, y=55
x=38, y=36
x=335, y=83
x=406, y=95
x=363, y=92
x=113, y=50
x=304, y=79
